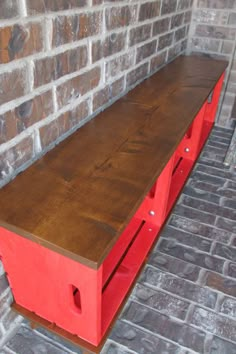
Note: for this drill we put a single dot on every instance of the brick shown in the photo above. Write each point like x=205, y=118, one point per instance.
x=203, y=177
x=161, y=26
x=165, y=41
x=163, y=302
x=119, y=64
x=226, y=224
x=5, y=303
x=67, y=29
x=117, y=87
x=180, y=34
x=22, y=117
x=145, y=51
x=181, y=237
x=112, y=44
x=149, y=10
x=9, y=9
x=140, y=341
x=174, y=265
x=49, y=133
x=219, y=345
x=183, y=4
x=158, y=61
x=216, y=4
x=226, y=174
x=117, y=17
x=139, y=34
x=137, y=74
x=168, y=6
x=165, y=326
x=232, y=270
x=200, y=229
x=20, y=41
x=227, y=306
x=194, y=214
x=220, y=283
x=201, y=194
x=207, y=187
x=177, y=20
x=193, y=256
x=178, y=286
x=15, y=157
x=13, y=85
x=101, y=97
x=174, y=51
x=10, y=320
x=214, y=323
x=215, y=32
x=3, y=283
x=78, y=86
x=225, y=252
x=27, y=341
x=187, y=16
x=52, y=68
x=42, y=6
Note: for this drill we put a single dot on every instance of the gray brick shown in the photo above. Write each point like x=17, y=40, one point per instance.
x=203, y=177
x=188, y=254
x=212, y=322
x=228, y=306
x=158, y=300
x=220, y=283
x=3, y=283
x=165, y=41
x=226, y=224
x=199, y=229
x=232, y=270
x=221, y=346
x=229, y=203
x=141, y=341
x=161, y=26
x=204, y=186
x=186, y=238
x=225, y=252
x=178, y=286
x=165, y=326
x=174, y=265
x=10, y=320
x=216, y=172
x=113, y=348
x=194, y=214
x=26, y=341
x=201, y=194
x=168, y=6
x=177, y=20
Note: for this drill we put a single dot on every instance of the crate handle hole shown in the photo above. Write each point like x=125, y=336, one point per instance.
x=76, y=299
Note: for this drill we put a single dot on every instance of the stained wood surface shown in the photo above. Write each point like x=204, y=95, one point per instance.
x=79, y=197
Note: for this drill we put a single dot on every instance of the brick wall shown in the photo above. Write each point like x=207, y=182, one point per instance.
x=213, y=32
x=63, y=61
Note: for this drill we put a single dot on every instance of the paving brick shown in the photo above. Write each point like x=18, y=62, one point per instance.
x=194, y=214
x=13, y=85
x=216, y=172
x=41, y=6
x=137, y=74
x=163, y=302
x=199, y=229
x=174, y=265
x=221, y=283
x=26, y=341
x=113, y=348
x=78, y=86
x=221, y=346
x=226, y=224
x=145, y=51
x=180, y=237
x=213, y=189
x=203, y=177
x=139, y=34
x=212, y=322
x=201, y=194
x=178, y=286
x=141, y=341
x=112, y=44
x=158, y=323
x=52, y=68
x=225, y=252
x=229, y=203
x=227, y=306
x=149, y=10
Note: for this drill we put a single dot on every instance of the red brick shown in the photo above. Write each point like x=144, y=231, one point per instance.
x=145, y=51
x=51, y=132
x=119, y=64
x=13, y=85
x=15, y=157
x=149, y=10
x=49, y=69
x=220, y=283
x=117, y=87
x=42, y=6
x=101, y=97
x=67, y=29
x=137, y=74
x=139, y=34
x=112, y=44
x=165, y=41
x=120, y=16
x=78, y=86
x=158, y=61
x=20, y=41
x=16, y=121
x=161, y=26
x=9, y=9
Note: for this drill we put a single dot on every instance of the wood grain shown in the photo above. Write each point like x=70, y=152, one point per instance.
x=79, y=197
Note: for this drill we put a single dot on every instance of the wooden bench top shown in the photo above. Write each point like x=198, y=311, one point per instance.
x=78, y=198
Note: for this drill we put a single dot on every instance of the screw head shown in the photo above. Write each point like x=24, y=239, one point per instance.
x=152, y=212
x=150, y=230
x=186, y=149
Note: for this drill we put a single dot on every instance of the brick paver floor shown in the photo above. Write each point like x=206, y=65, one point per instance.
x=185, y=299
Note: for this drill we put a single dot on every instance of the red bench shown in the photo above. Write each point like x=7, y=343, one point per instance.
x=76, y=226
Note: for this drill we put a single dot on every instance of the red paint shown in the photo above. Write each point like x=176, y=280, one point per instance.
x=81, y=300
